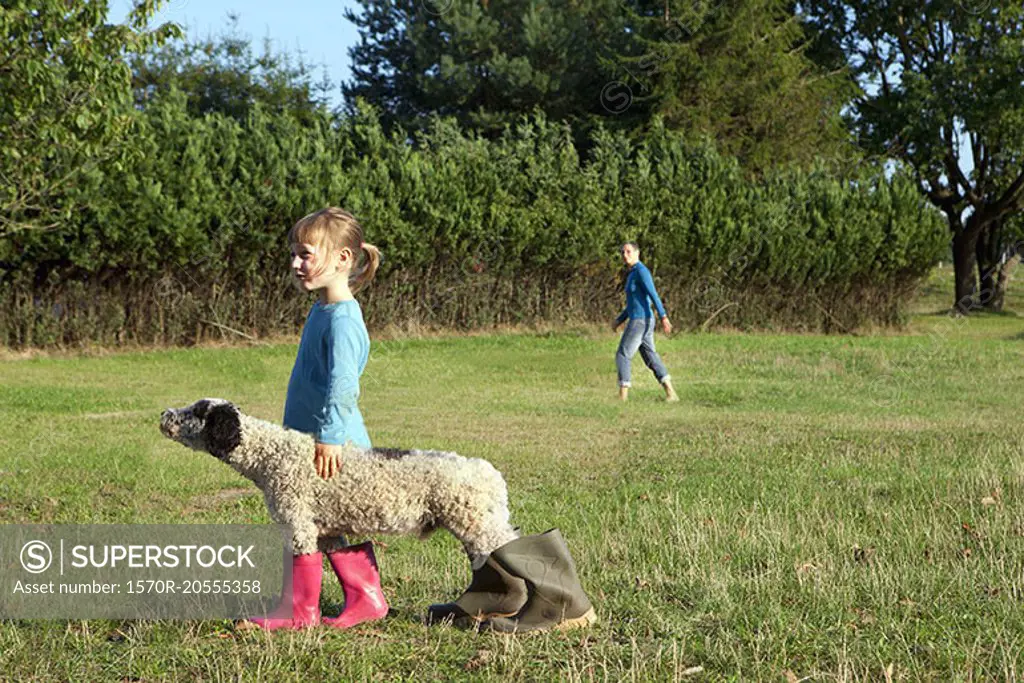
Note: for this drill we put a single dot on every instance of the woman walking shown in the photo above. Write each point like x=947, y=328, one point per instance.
x=639, y=332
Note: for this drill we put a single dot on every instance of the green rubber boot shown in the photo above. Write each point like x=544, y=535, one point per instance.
x=555, y=599
x=492, y=592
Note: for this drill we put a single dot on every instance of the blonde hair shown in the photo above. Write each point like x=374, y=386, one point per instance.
x=336, y=229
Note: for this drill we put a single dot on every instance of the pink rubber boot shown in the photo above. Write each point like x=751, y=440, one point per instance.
x=357, y=571
x=304, y=597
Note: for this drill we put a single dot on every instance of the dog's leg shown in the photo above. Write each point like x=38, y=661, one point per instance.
x=331, y=544
x=305, y=536
x=489, y=534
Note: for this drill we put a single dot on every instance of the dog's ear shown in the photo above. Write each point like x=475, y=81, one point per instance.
x=222, y=430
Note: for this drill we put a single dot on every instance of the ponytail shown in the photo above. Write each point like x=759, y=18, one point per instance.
x=371, y=262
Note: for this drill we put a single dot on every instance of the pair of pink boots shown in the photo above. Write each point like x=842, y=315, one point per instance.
x=356, y=569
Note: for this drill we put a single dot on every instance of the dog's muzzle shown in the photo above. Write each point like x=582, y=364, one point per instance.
x=168, y=425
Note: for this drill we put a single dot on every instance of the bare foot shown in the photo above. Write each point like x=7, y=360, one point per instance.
x=670, y=393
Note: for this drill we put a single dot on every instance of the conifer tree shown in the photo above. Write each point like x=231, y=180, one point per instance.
x=224, y=74
x=733, y=70
x=483, y=62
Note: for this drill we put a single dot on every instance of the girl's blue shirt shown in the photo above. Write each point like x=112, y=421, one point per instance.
x=640, y=293
x=323, y=391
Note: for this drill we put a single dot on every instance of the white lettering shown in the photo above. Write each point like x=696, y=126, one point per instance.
x=35, y=553
x=32, y=588
x=165, y=557
x=244, y=556
x=213, y=556
x=188, y=554
x=92, y=556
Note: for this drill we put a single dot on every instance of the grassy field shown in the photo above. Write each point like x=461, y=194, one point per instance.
x=815, y=508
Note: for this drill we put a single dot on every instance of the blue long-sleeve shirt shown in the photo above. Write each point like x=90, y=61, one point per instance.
x=640, y=293
x=323, y=391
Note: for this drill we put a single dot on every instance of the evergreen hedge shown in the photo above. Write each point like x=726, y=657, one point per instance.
x=187, y=240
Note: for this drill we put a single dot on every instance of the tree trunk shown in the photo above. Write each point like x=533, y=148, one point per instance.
x=965, y=239
x=990, y=261
x=1003, y=281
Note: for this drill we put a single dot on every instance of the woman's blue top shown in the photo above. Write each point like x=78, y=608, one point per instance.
x=640, y=293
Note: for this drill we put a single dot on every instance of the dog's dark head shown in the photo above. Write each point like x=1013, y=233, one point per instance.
x=212, y=425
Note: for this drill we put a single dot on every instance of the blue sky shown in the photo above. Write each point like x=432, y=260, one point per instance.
x=317, y=27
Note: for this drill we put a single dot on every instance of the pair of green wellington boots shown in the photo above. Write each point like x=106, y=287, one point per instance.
x=529, y=584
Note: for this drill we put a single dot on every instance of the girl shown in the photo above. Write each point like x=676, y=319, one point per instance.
x=330, y=257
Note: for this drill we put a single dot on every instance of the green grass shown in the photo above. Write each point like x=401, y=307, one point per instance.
x=815, y=507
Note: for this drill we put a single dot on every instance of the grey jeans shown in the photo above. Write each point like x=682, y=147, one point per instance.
x=639, y=335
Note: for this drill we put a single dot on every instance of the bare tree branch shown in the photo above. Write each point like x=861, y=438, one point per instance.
x=952, y=163
x=1010, y=199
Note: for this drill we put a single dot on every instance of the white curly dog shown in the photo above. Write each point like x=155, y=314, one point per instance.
x=376, y=491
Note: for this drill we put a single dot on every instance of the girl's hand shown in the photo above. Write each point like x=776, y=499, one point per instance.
x=325, y=460
x=666, y=326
